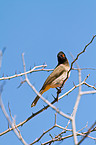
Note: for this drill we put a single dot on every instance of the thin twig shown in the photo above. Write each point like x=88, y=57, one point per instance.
x=43, y=135
x=87, y=133
x=84, y=68
x=68, y=136
x=89, y=85
x=77, y=58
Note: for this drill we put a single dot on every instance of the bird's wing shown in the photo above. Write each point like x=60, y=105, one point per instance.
x=54, y=75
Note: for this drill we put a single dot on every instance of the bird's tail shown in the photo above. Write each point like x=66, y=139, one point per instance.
x=36, y=99
x=41, y=92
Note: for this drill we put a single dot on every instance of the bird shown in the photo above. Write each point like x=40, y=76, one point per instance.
x=57, y=77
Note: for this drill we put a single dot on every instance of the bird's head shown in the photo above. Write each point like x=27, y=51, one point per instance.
x=61, y=57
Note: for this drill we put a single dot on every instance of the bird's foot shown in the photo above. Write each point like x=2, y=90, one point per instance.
x=58, y=92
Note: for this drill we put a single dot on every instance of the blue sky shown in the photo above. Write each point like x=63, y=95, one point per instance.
x=41, y=29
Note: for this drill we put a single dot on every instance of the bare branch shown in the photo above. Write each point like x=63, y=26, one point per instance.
x=27, y=72
x=68, y=136
x=88, y=92
x=87, y=133
x=71, y=117
x=77, y=58
x=11, y=124
x=55, y=125
x=44, y=108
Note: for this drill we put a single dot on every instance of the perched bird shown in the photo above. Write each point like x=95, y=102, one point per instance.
x=57, y=77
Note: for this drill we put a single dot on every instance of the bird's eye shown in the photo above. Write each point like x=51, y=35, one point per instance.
x=62, y=55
